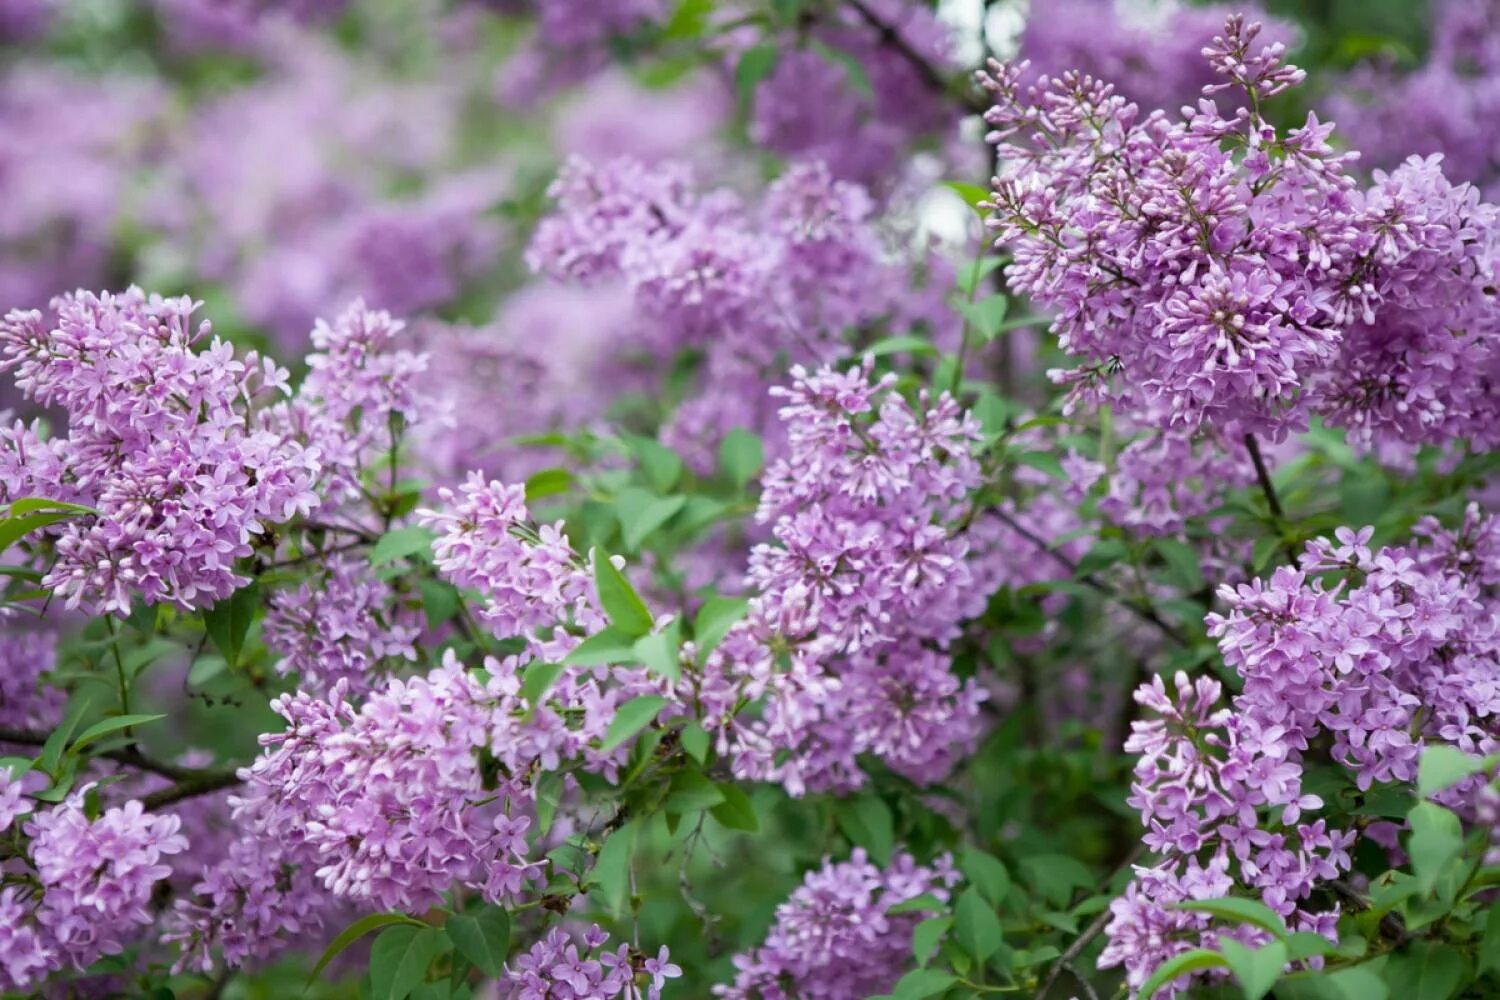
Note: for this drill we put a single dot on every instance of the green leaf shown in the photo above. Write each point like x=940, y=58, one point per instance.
x=1444, y=766
x=483, y=938
x=1256, y=969
x=1435, y=842
x=548, y=483
x=52, y=749
x=919, y=983
x=741, y=455
x=536, y=681
x=661, y=651
x=111, y=725
x=611, y=871
x=1055, y=876
x=660, y=463
x=354, y=932
x=605, y=647
x=868, y=823
x=736, y=812
x=228, y=621
x=972, y=194
x=1188, y=961
x=755, y=65
x=1429, y=970
x=717, y=616
x=688, y=21
x=973, y=272
x=976, y=926
x=1238, y=910
x=13, y=529
x=906, y=344
x=621, y=603
x=692, y=791
x=927, y=935
x=1043, y=461
x=695, y=741
x=399, y=959
x=986, y=873
x=923, y=903
x=1183, y=563
x=1305, y=944
x=641, y=514
x=440, y=600
x=1359, y=982
x=31, y=505
x=400, y=543
x=630, y=718
x=987, y=316
x=1103, y=555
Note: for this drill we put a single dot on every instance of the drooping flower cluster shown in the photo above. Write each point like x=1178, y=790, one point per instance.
x=1397, y=651
x=388, y=802
x=752, y=288
x=1206, y=775
x=162, y=443
x=556, y=968
x=863, y=589
x=531, y=581
x=835, y=937
x=1213, y=272
x=93, y=875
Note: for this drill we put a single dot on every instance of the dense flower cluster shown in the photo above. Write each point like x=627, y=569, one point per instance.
x=1398, y=652
x=25, y=656
x=94, y=874
x=862, y=589
x=1202, y=287
x=163, y=444
x=835, y=937
x=556, y=968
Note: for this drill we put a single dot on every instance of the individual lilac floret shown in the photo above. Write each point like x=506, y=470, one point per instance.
x=164, y=443
x=835, y=937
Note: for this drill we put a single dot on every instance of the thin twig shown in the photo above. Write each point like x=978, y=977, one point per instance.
x=1264, y=477
x=891, y=36
x=1090, y=932
x=1144, y=612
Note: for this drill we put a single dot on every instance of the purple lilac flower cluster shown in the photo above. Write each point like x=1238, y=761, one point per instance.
x=89, y=879
x=835, y=937
x=1212, y=272
x=164, y=444
x=1376, y=652
x=557, y=968
x=342, y=624
x=863, y=588
x=750, y=286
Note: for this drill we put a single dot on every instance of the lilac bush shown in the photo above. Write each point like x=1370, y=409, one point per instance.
x=828, y=499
